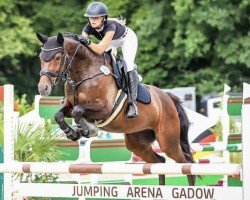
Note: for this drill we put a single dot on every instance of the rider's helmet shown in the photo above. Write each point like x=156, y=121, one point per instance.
x=96, y=9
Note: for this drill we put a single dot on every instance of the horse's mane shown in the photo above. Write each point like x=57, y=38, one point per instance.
x=73, y=36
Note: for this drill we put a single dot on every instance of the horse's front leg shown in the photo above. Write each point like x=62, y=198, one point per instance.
x=83, y=127
x=59, y=117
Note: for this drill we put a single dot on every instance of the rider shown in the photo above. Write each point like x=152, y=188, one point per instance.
x=113, y=33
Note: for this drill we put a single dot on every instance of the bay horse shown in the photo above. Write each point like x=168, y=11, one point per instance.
x=90, y=95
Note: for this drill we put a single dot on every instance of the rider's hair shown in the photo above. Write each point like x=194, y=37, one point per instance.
x=119, y=20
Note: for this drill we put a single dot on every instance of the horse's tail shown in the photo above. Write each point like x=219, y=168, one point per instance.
x=184, y=123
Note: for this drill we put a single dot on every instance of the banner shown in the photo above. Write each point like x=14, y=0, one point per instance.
x=128, y=192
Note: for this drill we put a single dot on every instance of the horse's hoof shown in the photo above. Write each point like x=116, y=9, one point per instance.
x=93, y=132
x=90, y=131
x=72, y=134
x=84, y=133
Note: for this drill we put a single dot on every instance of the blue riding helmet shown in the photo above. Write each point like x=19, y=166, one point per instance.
x=96, y=9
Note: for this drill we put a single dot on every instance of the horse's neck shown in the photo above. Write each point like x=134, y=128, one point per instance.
x=99, y=89
x=91, y=62
x=81, y=62
x=86, y=63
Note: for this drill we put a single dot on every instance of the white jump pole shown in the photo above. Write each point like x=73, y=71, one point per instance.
x=246, y=141
x=8, y=137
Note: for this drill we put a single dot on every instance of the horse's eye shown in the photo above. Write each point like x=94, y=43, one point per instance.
x=58, y=58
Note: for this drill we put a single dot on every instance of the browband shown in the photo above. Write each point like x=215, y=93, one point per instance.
x=53, y=49
x=48, y=54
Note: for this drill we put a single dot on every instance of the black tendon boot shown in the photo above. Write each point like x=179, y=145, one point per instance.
x=132, y=110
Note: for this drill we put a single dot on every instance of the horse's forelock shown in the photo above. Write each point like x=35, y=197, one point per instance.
x=52, y=43
x=48, y=53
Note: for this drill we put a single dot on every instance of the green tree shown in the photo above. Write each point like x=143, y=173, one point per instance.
x=18, y=46
x=212, y=42
x=193, y=43
x=19, y=20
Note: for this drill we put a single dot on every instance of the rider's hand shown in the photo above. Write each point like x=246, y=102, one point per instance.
x=83, y=40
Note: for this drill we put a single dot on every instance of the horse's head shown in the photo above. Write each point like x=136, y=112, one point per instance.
x=53, y=62
x=63, y=56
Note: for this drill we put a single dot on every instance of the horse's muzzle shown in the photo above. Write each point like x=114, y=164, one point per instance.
x=44, y=89
x=45, y=86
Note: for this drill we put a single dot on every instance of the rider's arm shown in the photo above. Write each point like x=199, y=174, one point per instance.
x=85, y=34
x=103, y=44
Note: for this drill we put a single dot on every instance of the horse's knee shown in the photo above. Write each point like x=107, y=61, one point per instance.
x=78, y=111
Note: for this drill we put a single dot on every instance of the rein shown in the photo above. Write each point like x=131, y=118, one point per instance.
x=65, y=74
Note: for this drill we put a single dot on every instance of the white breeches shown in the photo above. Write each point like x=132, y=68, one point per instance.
x=128, y=45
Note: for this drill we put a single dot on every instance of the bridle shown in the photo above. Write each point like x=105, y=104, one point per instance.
x=65, y=67
x=51, y=74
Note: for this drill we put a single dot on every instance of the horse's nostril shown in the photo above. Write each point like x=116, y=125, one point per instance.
x=44, y=90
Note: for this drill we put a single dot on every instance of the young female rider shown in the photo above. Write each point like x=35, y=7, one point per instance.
x=113, y=34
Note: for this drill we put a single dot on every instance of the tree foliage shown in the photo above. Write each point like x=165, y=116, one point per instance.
x=202, y=43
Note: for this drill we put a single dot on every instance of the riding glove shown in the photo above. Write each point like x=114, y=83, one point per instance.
x=83, y=40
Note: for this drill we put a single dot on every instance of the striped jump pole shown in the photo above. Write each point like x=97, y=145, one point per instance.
x=211, y=146
x=210, y=160
x=122, y=168
x=216, y=146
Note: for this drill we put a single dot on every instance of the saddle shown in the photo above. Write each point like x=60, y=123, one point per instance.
x=120, y=71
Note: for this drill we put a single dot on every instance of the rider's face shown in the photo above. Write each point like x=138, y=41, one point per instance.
x=96, y=22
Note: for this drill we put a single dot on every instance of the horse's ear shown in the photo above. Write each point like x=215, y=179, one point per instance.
x=60, y=38
x=41, y=37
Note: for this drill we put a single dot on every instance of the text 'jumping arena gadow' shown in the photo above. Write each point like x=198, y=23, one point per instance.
x=85, y=168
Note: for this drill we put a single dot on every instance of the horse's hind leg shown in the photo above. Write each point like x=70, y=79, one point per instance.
x=170, y=144
x=140, y=144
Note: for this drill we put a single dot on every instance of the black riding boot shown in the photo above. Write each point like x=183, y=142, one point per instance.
x=132, y=110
